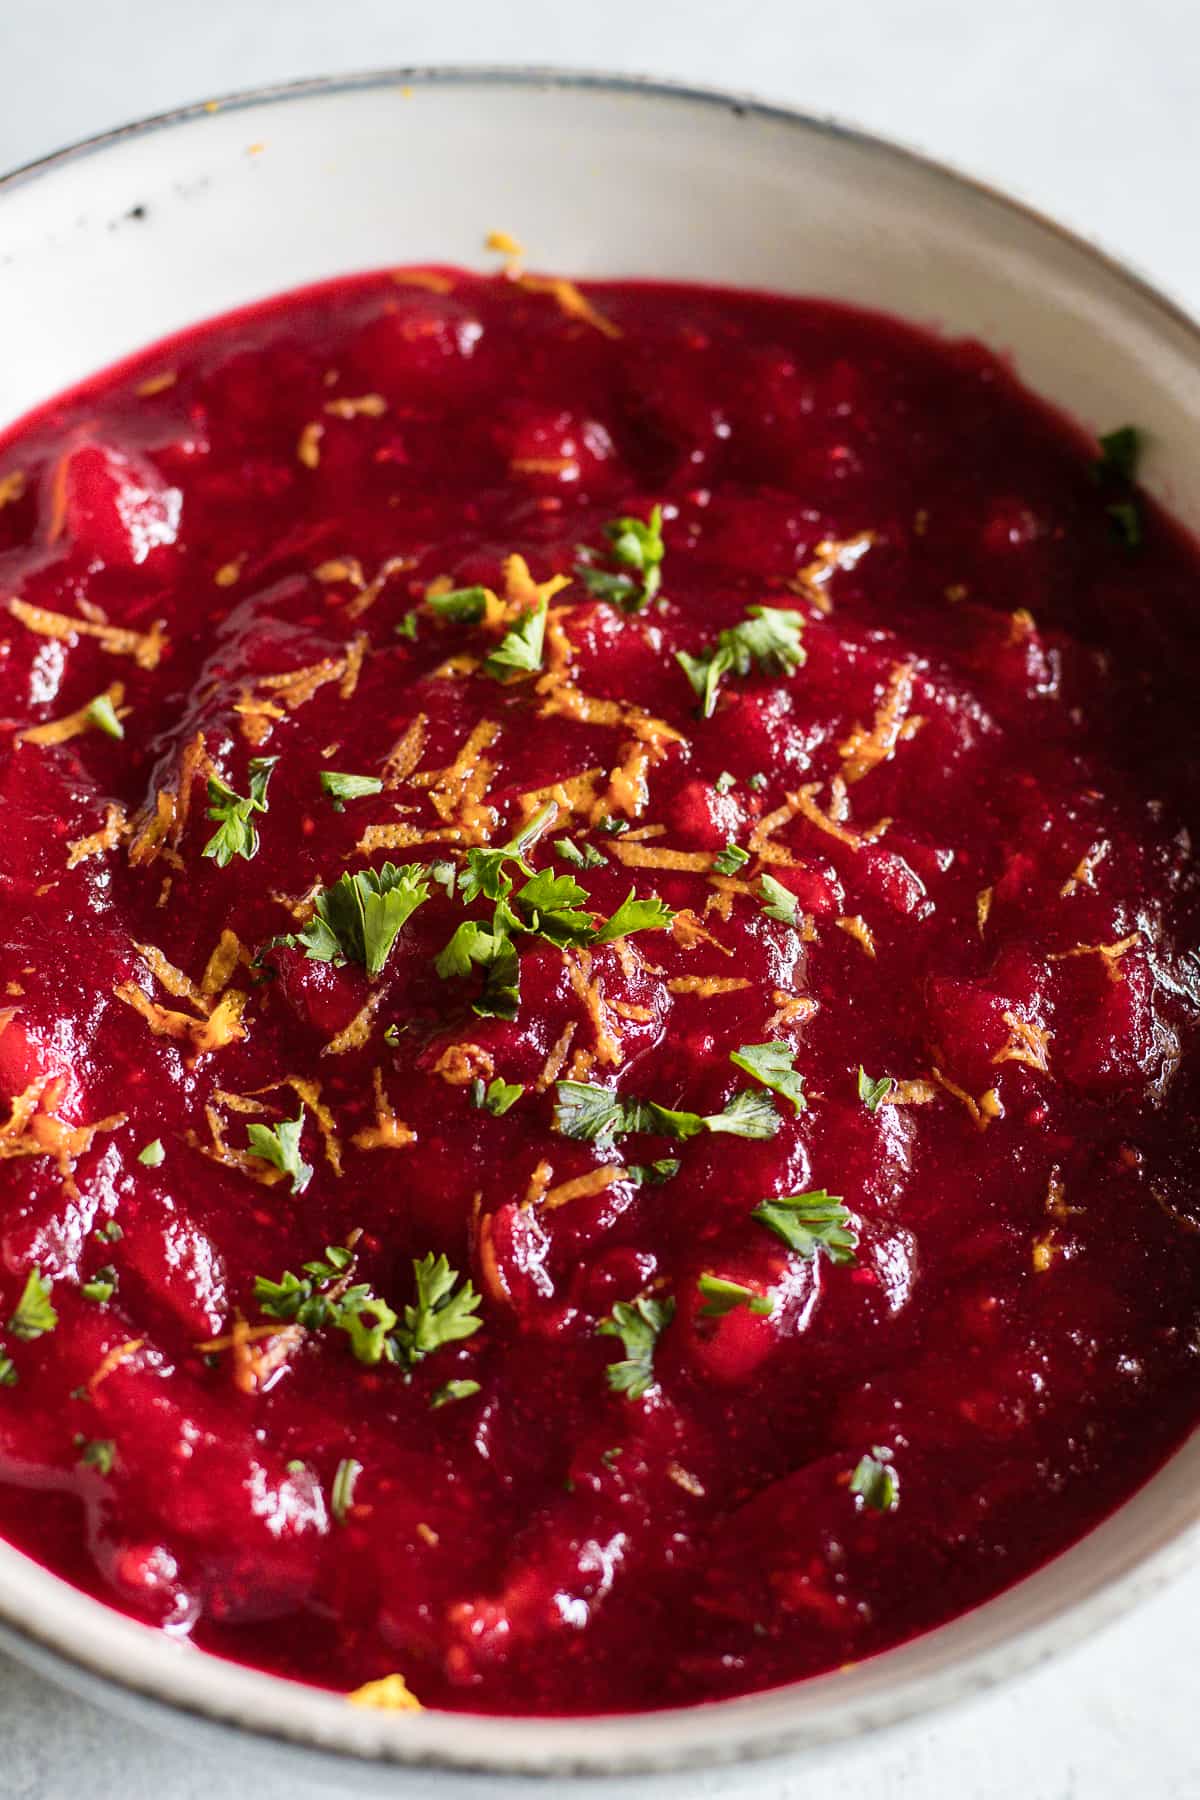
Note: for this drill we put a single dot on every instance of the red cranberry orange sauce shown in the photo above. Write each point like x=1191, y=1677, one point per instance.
x=598, y=988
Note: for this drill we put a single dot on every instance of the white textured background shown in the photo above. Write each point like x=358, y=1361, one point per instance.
x=1088, y=108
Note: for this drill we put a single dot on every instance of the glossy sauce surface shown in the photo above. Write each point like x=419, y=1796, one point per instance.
x=975, y=793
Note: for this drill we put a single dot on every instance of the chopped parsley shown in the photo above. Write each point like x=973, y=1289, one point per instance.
x=236, y=834
x=768, y=636
x=1116, y=469
x=811, y=1222
x=722, y=1296
x=359, y=918
x=725, y=782
x=279, y=1145
x=875, y=1482
x=639, y=1324
x=324, y=1296
x=34, y=1314
x=101, y=1287
x=665, y=1168
x=492, y=950
x=485, y=872
x=874, y=1093
x=407, y=626
x=634, y=545
x=450, y=1391
x=729, y=860
x=443, y=1313
x=153, y=1155
x=97, y=1453
x=110, y=1232
x=101, y=714
x=548, y=907
x=774, y=1065
x=777, y=901
x=462, y=606
x=498, y=1096
x=587, y=858
x=341, y=788
x=757, y=781
x=634, y=915
x=8, y=1370
x=341, y=1494
x=599, y=1115
x=519, y=651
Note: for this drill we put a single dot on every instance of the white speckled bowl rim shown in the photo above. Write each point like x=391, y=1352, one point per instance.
x=1148, y=1541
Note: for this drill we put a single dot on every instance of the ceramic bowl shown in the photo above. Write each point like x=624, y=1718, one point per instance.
x=111, y=245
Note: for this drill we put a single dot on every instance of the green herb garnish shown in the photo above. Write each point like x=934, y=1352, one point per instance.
x=279, y=1145
x=519, y=651
x=634, y=915
x=153, y=1156
x=443, y=1313
x=475, y=945
x=341, y=1494
x=359, y=918
x=729, y=860
x=341, y=788
x=101, y=1287
x=722, y=1296
x=777, y=901
x=452, y=1390
x=635, y=545
x=463, y=606
x=102, y=716
x=34, y=1315
x=665, y=1168
x=875, y=1483
x=599, y=1115
x=874, y=1093
x=774, y=1065
x=639, y=1324
x=97, y=1453
x=768, y=636
x=497, y=1097
x=236, y=834
x=1116, y=467
x=811, y=1222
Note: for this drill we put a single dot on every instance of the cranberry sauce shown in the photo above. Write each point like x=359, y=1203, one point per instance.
x=597, y=991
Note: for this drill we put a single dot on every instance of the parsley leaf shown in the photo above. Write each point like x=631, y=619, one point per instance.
x=452, y=1390
x=638, y=1323
x=550, y=903
x=279, y=1145
x=773, y=1065
x=587, y=858
x=777, y=901
x=519, y=651
x=599, y=1115
x=729, y=860
x=236, y=834
x=341, y=1494
x=635, y=915
x=875, y=1483
x=464, y=606
x=874, y=1093
x=722, y=1296
x=153, y=1156
x=341, y=788
x=407, y=626
x=725, y=782
x=102, y=716
x=34, y=1315
x=8, y=1370
x=1116, y=467
x=474, y=944
x=359, y=918
x=98, y=1454
x=101, y=1287
x=485, y=872
x=442, y=1315
x=811, y=1222
x=748, y=1115
x=1119, y=453
x=498, y=1096
x=633, y=544
x=665, y=1168
x=321, y=1297
x=768, y=636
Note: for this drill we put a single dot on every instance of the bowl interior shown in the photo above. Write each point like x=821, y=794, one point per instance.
x=115, y=245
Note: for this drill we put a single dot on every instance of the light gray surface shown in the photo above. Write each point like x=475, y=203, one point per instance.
x=1085, y=107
